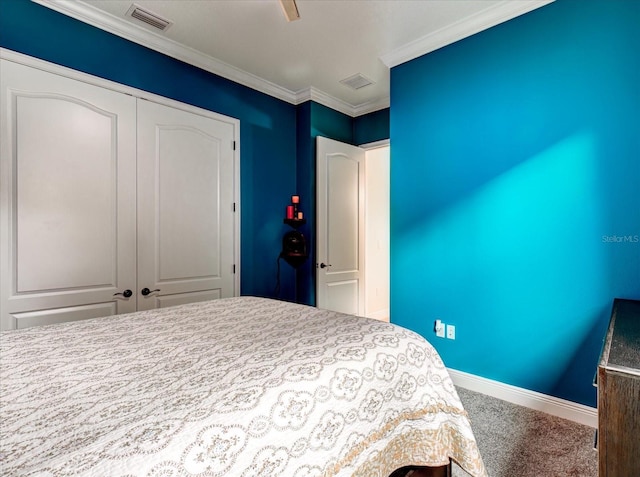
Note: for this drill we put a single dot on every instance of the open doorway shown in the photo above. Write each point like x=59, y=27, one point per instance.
x=352, y=236
x=377, y=212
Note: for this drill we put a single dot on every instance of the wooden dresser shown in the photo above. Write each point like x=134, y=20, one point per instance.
x=618, y=382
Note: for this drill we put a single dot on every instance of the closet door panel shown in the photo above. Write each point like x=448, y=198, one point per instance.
x=188, y=194
x=67, y=223
x=185, y=206
x=66, y=195
x=56, y=315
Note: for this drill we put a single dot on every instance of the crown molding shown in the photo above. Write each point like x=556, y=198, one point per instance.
x=314, y=94
x=149, y=39
x=492, y=16
x=499, y=13
x=107, y=22
x=372, y=106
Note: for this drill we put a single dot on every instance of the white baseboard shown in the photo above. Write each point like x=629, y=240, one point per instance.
x=579, y=413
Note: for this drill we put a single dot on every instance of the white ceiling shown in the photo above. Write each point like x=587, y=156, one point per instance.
x=250, y=41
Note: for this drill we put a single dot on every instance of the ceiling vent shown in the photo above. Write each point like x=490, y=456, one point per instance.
x=148, y=17
x=356, y=81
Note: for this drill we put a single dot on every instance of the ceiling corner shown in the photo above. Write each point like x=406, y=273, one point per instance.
x=491, y=16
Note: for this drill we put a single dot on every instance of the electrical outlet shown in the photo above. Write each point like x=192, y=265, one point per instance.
x=439, y=329
x=451, y=332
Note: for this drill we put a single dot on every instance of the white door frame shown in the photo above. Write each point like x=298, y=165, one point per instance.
x=377, y=289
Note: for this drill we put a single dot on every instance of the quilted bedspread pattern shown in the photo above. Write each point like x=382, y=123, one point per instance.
x=233, y=387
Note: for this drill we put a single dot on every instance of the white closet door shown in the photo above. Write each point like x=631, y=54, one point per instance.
x=185, y=206
x=67, y=227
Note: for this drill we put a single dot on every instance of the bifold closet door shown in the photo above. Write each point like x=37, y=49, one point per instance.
x=185, y=206
x=68, y=182
x=108, y=204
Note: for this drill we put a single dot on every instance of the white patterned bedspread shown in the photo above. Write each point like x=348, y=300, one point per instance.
x=233, y=387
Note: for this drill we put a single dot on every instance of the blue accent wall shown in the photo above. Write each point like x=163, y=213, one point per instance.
x=515, y=193
x=371, y=127
x=268, y=125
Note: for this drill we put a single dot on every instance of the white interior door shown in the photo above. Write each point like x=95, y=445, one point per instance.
x=340, y=226
x=68, y=171
x=185, y=207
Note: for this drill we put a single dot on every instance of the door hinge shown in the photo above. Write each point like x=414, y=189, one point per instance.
x=234, y=268
x=234, y=206
x=234, y=145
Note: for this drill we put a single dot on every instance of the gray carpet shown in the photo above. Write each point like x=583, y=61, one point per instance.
x=515, y=441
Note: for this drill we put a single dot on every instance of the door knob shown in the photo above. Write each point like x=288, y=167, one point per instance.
x=126, y=293
x=325, y=265
x=145, y=291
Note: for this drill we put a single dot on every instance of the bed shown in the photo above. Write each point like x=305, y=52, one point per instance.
x=241, y=386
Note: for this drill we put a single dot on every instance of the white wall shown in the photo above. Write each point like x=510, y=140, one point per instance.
x=377, y=234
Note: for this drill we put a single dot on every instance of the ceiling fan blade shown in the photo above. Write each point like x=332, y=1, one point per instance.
x=290, y=9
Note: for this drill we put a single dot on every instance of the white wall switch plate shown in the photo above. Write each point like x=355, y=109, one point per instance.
x=439, y=329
